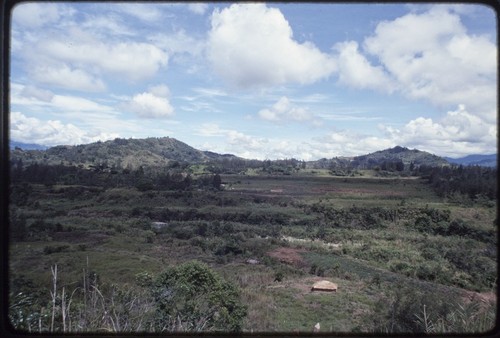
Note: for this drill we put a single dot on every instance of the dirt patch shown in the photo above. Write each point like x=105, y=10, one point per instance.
x=483, y=297
x=289, y=256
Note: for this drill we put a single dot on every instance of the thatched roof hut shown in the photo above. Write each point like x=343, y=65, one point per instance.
x=324, y=285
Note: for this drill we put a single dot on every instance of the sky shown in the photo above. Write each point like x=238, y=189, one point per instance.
x=257, y=80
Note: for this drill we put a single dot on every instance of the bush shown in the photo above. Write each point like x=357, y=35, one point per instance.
x=401, y=267
x=192, y=297
x=396, y=312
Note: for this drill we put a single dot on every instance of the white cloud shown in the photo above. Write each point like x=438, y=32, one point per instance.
x=211, y=130
x=209, y=92
x=109, y=24
x=284, y=110
x=36, y=99
x=350, y=143
x=160, y=90
x=76, y=59
x=458, y=133
x=235, y=142
x=80, y=104
x=198, y=8
x=142, y=11
x=356, y=71
x=63, y=76
x=251, y=45
x=152, y=104
x=35, y=15
x=33, y=92
x=51, y=132
x=179, y=42
x=132, y=60
x=430, y=56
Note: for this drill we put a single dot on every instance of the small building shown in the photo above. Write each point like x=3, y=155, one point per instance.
x=324, y=285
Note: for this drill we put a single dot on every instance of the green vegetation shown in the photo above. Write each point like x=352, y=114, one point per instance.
x=235, y=245
x=191, y=297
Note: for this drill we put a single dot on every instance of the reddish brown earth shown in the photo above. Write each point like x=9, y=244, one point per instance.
x=288, y=255
x=485, y=297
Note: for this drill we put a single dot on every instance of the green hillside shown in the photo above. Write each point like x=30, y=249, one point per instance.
x=121, y=153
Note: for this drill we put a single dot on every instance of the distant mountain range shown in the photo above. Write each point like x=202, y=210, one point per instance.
x=162, y=151
x=26, y=146
x=481, y=160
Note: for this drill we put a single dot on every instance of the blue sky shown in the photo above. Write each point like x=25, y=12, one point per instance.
x=258, y=80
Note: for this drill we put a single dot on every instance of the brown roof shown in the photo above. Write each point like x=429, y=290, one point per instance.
x=324, y=285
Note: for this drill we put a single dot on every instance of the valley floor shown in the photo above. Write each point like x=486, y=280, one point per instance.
x=404, y=259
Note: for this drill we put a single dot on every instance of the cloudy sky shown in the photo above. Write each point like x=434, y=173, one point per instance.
x=257, y=80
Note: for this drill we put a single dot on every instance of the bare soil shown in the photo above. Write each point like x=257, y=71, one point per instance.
x=289, y=256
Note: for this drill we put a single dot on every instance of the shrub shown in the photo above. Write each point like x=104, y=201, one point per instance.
x=279, y=276
x=401, y=267
x=192, y=297
x=397, y=311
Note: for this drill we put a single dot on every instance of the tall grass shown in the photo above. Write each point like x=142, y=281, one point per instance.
x=87, y=308
x=473, y=317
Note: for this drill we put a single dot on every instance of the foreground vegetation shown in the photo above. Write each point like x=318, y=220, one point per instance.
x=409, y=253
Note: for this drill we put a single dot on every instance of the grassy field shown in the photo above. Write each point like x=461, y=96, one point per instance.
x=371, y=236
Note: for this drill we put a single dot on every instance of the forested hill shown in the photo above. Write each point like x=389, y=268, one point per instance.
x=120, y=153
x=394, y=159
x=155, y=152
x=396, y=155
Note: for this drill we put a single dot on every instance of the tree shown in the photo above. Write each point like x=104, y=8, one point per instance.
x=192, y=297
x=400, y=166
x=217, y=182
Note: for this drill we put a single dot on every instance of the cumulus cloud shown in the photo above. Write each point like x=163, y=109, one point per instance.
x=251, y=45
x=431, y=56
x=350, y=143
x=152, y=104
x=51, y=132
x=356, y=71
x=284, y=110
x=235, y=142
x=457, y=133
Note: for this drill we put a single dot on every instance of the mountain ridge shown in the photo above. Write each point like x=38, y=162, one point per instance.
x=119, y=152
x=26, y=146
x=161, y=151
x=481, y=160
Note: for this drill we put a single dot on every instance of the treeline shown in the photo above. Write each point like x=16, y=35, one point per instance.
x=472, y=181
x=142, y=179
x=273, y=167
